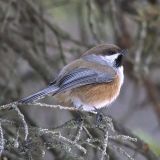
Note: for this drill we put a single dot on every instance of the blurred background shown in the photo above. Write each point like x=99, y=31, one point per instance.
x=37, y=38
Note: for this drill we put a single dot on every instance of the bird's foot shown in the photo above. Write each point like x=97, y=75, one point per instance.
x=79, y=117
x=99, y=116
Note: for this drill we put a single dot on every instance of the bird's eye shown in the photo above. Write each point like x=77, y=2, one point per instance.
x=111, y=52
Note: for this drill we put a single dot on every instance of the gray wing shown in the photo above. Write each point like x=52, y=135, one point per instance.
x=83, y=76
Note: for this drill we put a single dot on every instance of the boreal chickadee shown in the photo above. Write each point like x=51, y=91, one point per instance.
x=91, y=82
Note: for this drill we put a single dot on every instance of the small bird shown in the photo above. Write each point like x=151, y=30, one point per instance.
x=91, y=82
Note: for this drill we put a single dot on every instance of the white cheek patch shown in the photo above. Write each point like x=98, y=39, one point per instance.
x=110, y=59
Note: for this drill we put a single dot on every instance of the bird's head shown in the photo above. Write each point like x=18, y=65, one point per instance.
x=109, y=53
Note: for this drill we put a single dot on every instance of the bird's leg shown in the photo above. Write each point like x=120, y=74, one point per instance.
x=99, y=115
x=79, y=114
x=80, y=108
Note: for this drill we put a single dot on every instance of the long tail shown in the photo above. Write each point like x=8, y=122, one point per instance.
x=39, y=95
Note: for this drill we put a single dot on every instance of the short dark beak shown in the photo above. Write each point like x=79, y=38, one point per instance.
x=124, y=52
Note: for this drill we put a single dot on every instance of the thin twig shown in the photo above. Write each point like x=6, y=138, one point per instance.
x=104, y=145
x=16, y=143
x=1, y=140
x=90, y=21
x=57, y=107
x=87, y=132
x=21, y=116
x=79, y=132
x=140, y=47
x=60, y=137
x=120, y=150
x=61, y=49
x=123, y=138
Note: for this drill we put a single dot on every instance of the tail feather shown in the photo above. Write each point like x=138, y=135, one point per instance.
x=39, y=95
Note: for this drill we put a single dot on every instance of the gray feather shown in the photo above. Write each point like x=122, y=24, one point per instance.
x=39, y=95
x=83, y=76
